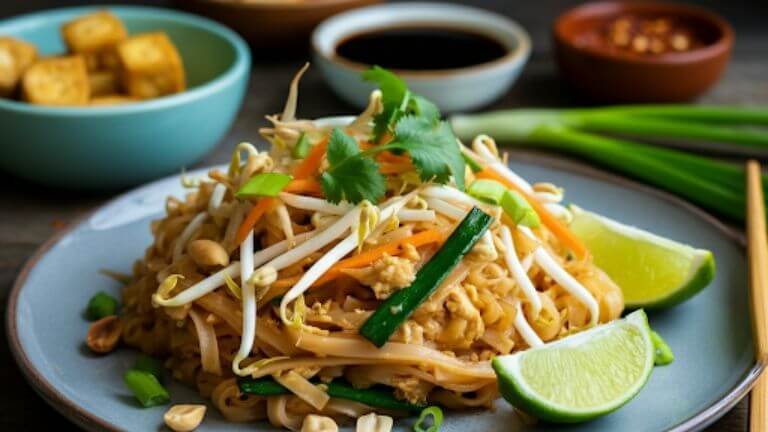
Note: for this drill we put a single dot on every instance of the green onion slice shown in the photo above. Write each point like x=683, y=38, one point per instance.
x=513, y=204
x=399, y=306
x=437, y=420
x=301, y=149
x=145, y=387
x=519, y=209
x=488, y=191
x=264, y=185
x=101, y=305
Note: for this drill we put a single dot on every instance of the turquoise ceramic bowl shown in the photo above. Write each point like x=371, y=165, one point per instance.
x=118, y=146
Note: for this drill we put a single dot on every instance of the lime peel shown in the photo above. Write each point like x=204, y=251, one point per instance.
x=652, y=271
x=580, y=377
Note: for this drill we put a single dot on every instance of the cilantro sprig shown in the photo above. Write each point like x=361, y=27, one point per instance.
x=414, y=126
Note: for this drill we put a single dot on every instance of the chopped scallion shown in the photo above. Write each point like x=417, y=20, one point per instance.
x=101, y=305
x=146, y=388
x=520, y=210
x=437, y=420
x=488, y=191
x=264, y=185
x=301, y=149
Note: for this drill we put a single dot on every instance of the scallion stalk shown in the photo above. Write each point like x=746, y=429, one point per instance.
x=715, y=185
x=375, y=396
x=150, y=364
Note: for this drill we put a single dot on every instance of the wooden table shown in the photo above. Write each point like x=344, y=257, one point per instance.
x=29, y=213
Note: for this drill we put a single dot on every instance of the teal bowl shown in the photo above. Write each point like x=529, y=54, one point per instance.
x=118, y=146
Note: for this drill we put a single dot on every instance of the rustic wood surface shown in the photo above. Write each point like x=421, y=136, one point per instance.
x=29, y=213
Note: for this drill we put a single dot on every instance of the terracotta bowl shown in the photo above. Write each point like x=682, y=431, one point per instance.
x=272, y=25
x=617, y=76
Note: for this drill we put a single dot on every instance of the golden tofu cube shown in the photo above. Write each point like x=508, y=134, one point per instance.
x=93, y=33
x=150, y=66
x=103, y=83
x=15, y=57
x=112, y=99
x=57, y=81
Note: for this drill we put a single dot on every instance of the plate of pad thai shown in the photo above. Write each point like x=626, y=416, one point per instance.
x=374, y=273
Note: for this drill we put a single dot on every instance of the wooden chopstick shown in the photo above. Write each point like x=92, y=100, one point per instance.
x=758, y=283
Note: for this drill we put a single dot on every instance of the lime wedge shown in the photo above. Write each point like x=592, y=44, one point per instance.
x=582, y=376
x=652, y=271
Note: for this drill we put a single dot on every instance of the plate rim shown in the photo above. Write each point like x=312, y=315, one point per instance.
x=87, y=420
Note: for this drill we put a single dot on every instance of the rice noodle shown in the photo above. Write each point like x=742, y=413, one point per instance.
x=209, y=345
x=303, y=389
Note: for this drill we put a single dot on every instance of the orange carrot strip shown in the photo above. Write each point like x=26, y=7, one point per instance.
x=309, y=166
x=391, y=157
x=307, y=186
x=281, y=286
x=369, y=256
x=395, y=167
x=558, y=228
x=253, y=217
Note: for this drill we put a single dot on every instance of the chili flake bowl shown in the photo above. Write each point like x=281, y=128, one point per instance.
x=603, y=74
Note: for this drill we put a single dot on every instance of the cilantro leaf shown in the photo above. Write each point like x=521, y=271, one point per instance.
x=351, y=175
x=432, y=147
x=420, y=106
x=393, y=93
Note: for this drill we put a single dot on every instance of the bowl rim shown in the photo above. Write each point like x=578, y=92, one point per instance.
x=722, y=45
x=276, y=6
x=516, y=56
x=239, y=67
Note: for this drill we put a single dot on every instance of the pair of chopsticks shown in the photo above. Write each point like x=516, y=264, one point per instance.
x=757, y=247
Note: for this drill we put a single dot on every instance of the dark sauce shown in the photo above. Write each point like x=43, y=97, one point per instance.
x=421, y=48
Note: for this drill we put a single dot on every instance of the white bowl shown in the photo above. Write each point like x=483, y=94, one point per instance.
x=452, y=90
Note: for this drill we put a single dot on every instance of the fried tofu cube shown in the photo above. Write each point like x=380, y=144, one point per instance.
x=15, y=57
x=150, y=66
x=57, y=81
x=93, y=33
x=103, y=83
x=95, y=36
x=112, y=99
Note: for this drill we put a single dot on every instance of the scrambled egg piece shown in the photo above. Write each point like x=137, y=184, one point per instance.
x=387, y=275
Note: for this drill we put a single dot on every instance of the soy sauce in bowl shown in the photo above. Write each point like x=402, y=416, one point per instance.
x=421, y=48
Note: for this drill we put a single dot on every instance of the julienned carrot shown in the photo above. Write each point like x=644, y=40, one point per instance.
x=369, y=256
x=551, y=222
x=311, y=164
x=394, y=248
x=253, y=217
x=395, y=167
x=307, y=186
